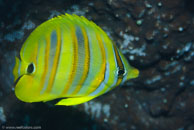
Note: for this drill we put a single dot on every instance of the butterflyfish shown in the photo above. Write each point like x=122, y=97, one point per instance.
x=70, y=58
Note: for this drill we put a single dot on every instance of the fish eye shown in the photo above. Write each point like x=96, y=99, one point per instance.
x=31, y=68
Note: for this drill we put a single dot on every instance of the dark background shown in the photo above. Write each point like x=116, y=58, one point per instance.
x=156, y=36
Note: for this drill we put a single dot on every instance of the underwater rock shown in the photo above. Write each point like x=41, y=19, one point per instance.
x=2, y=116
x=155, y=36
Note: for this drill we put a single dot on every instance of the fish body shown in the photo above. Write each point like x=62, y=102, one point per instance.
x=69, y=57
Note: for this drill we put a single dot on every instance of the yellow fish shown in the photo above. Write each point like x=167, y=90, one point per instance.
x=69, y=57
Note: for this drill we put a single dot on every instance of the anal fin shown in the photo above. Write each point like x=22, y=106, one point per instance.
x=74, y=101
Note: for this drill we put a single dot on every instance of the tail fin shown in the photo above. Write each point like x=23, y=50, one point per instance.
x=132, y=73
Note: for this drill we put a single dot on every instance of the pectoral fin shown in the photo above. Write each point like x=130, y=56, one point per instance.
x=74, y=101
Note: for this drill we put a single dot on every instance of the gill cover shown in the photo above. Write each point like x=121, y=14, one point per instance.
x=23, y=73
x=27, y=71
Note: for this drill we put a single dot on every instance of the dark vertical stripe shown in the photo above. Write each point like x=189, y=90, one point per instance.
x=80, y=61
x=119, y=63
x=51, y=50
x=46, y=59
x=56, y=42
x=74, y=64
x=103, y=66
x=83, y=39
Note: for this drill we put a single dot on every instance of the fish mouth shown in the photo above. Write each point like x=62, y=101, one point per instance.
x=17, y=80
